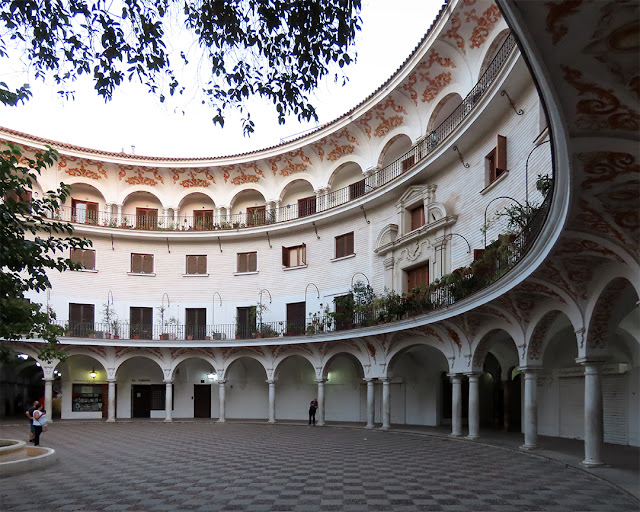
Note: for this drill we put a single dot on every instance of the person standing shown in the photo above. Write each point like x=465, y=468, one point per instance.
x=313, y=407
x=29, y=414
x=39, y=421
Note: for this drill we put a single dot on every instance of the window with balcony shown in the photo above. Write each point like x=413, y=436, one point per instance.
x=84, y=211
x=344, y=245
x=256, y=215
x=294, y=256
x=408, y=162
x=245, y=322
x=81, y=318
x=417, y=217
x=495, y=163
x=247, y=262
x=141, y=323
x=196, y=323
x=197, y=265
x=141, y=263
x=356, y=189
x=146, y=218
x=85, y=257
x=203, y=219
x=306, y=206
x=296, y=312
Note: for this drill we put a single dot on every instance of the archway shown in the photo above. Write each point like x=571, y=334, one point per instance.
x=345, y=391
x=84, y=390
x=297, y=199
x=394, y=149
x=247, y=393
x=197, y=212
x=443, y=110
x=141, y=389
x=85, y=205
x=248, y=208
x=141, y=210
x=295, y=387
x=195, y=389
x=415, y=386
x=20, y=385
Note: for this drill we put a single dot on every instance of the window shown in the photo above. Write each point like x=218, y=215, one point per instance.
x=203, y=219
x=247, y=262
x=85, y=257
x=496, y=161
x=146, y=218
x=25, y=197
x=197, y=265
x=80, y=319
x=417, y=217
x=256, y=215
x=306, y=206
x=418, y=276
x=344, y=245
x=141, y=263
x=356, y=189
x=196, y=323
x=84, y=211
x=408, y=162
x=246, y=322
x=141, y=320
x=294, y=256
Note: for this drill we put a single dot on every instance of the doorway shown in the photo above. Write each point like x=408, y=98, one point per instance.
x=202, y=400
x=196, y=323
x=141, y=401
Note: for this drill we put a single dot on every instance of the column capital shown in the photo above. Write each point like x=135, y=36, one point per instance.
x=530, y=369
x=111, y=381
x=168, y=381
x=222, y=381
x=268, y=381
x=321, y=381
x=369, y=379
x=472, y=375
x=455, y=374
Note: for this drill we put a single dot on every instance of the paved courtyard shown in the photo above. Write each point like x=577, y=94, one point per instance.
x=203, y=466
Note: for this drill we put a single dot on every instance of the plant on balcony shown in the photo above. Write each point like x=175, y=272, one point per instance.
x=168, y=326
x=321, y=320
x=115, y=328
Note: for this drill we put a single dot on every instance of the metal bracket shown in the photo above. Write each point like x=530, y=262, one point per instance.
x=112, y=247
x=466, y=166
x=220, y=244
x=316, y=228
x=365, y=214
x=268, y=239
x=517, y=111
x=168, y=248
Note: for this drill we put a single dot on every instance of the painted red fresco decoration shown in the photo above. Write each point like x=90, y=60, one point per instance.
x=198, y=177
x=386, y=124
x=557, y=11
x=338, y=150
x=539, y=333
x=453, y=33
x=291, y=167
x=484, y=24
x=139, y=175
x=82, y=168
x=435, y=85
x=249, y=173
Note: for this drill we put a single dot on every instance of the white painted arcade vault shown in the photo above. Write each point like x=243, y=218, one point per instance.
x=551, y=348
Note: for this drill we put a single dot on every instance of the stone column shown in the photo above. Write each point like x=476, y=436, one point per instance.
x=107, y=213
x=119, y=214
x=320, y=411
x=371, y=397
x=111, y=406
x=593, y=413
x=506, y=418
x=168, y=401
x=474, y=405
x=530, y=409
x=319, y=199
x=386, y=405
x=221, y=389
x=272, y=400
x=48, y=396
x=456, y=405
x=165, y=219
x=276, y=214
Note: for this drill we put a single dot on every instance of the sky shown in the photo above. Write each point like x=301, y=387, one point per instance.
x=390, y=31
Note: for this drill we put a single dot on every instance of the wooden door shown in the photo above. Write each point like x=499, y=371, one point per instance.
x=141, y=320
x=246, y=322
x=196, y=323
x=296, y=312
x=140, y=401
x=202, y=400
x=80, y=319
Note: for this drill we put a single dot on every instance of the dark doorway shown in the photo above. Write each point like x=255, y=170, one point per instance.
x=141, y=321
x=296, y=318
x=196, y=323
x=246, y=322
x=202, y=400
x=81, y=319
x=141, y=401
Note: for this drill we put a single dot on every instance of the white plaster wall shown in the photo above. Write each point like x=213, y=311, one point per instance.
x=137, y=370
x=342, y=390
x=295, y=388
x=75, y=370
x=247, y=393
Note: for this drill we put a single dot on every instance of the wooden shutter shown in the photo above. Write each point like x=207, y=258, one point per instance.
x=303, y=254
x=202, y=264
x=242, y=262
x=89, y=259
x=408, y=162
x=285, y=257
x=76, y=255
x=344, y=245
x=192, y=264
x=147, y=264
x=92, y=213
x=501, y=157
x=253, y=262
x=418, y=276
x=136, y=263
x=356, y=189
x=417, y=217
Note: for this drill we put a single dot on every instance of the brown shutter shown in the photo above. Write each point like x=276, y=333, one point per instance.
x=202, y=264
x=253, y=262
x=192, y=264
x=147, y=264
x=242, y=262
x=303, y=250
x=349, y=249
x=89, y=259
x=136, y=263
x=285, y=257
x=339, y=246
x=92, y=213
x=417, y=217
x=501, y=158
x=76, y=255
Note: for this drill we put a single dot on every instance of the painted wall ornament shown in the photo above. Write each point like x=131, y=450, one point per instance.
x=83, y=168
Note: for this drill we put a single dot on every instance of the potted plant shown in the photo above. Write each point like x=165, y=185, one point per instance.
x=115, y=328
x=169, y=327
x=108, y=315
x=91, y=333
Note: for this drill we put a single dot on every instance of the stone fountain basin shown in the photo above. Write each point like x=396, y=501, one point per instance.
x=17, y=457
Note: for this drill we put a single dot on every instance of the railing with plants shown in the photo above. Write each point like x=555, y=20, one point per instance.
x=213, y=220
x=359, y=308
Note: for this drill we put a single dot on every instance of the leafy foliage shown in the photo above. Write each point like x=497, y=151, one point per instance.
x=277, y=50
x=31, y=246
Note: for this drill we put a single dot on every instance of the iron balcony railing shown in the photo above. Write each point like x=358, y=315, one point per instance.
x=214, y=220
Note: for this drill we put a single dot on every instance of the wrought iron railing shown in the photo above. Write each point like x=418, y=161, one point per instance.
x=306, y=207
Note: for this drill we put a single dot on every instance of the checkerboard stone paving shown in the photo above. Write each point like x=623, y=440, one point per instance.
x=205, y=466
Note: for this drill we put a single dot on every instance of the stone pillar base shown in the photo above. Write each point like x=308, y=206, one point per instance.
x=271, y=421
x=385, y=427
x=369, y=426
x=221, y=420
x=472, y=437
x=528, y=447
x=111, y=421
x=455, y=435
x=592, y=464
x=167, y=420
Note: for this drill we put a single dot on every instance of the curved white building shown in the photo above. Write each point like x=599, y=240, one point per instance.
x=224, y=278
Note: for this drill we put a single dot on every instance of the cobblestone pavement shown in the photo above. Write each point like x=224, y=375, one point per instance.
x=204, y=466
